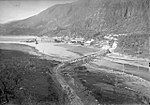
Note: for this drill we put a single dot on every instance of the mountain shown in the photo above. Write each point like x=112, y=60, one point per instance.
x=86, y=18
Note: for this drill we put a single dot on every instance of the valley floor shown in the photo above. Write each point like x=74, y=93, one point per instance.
x=103, y=81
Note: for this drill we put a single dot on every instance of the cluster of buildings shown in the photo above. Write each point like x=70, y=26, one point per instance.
x=77, y=40
x=108, y=42
x=56, y=39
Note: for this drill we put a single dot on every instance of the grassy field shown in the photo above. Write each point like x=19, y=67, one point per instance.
x=27, y=80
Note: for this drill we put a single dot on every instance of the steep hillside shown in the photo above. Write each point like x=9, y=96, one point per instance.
x=87, y=18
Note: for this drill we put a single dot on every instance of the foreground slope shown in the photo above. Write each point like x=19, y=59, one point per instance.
x=26, y=79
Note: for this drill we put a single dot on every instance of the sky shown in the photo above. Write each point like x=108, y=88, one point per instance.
x=11, y=10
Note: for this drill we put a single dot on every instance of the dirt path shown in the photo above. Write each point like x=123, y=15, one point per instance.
x=73, y=97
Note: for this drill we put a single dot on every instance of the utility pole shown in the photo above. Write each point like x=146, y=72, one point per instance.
x=123, y=68
x=138, y=56
x=149, y=66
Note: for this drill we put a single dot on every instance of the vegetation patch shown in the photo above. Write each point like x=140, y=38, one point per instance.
x=134, y=44
x=27, y=80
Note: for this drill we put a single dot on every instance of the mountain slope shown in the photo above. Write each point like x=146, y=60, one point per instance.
x=86, y=18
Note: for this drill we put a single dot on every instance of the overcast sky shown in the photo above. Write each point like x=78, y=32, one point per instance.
x=11, y=10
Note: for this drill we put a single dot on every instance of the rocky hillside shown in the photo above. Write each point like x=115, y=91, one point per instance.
x=90, y=18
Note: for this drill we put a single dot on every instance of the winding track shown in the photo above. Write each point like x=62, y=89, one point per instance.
x=72, y=96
